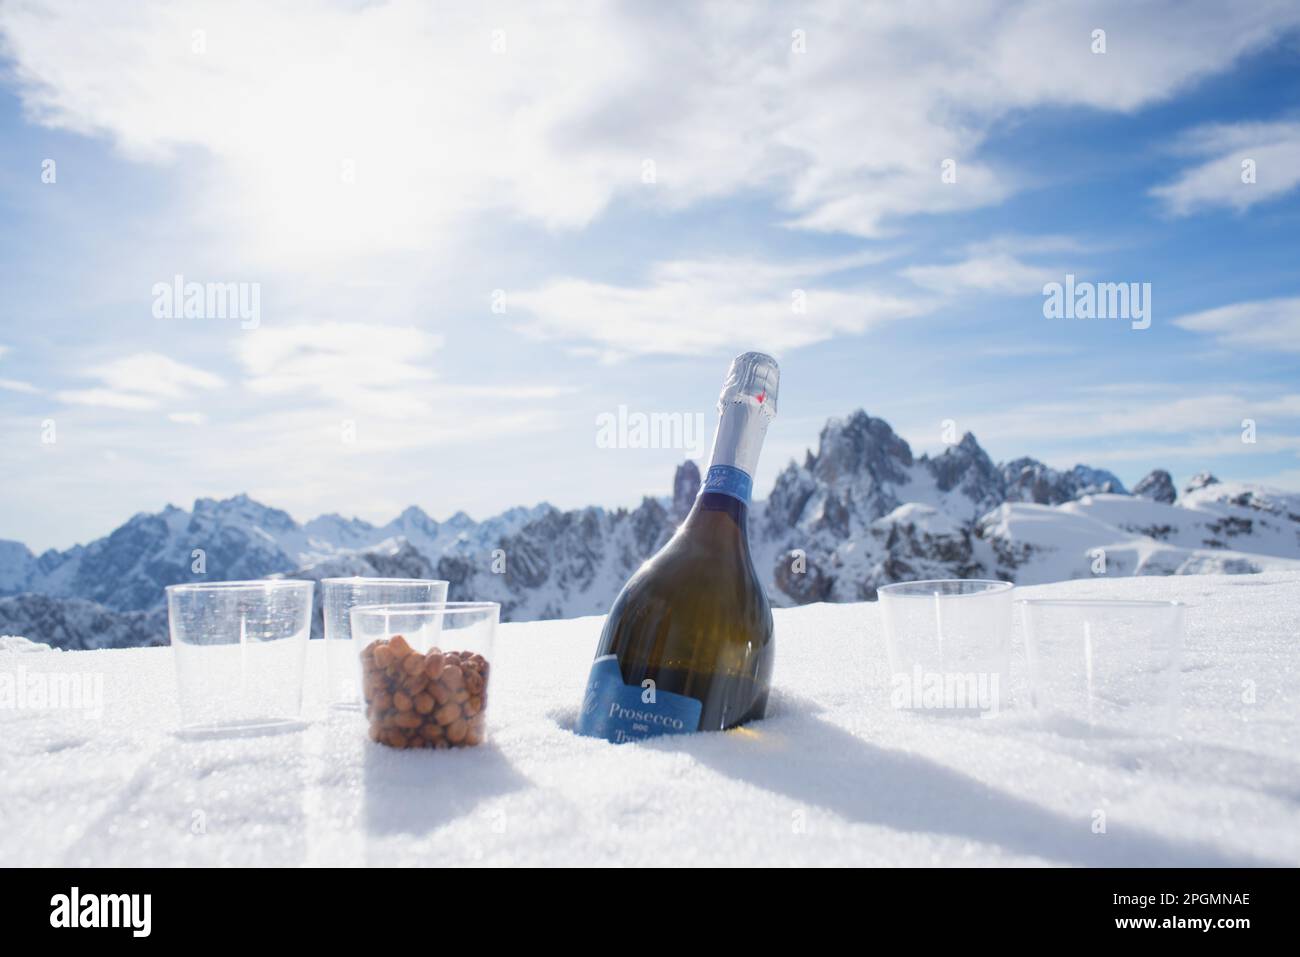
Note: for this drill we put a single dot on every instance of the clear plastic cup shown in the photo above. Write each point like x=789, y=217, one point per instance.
x=340, y=596
x=1105, y=663
x=949, y=645
x=240, y=649
x=425, y=670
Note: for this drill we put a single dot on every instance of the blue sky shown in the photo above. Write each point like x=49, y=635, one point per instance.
x=379, y=171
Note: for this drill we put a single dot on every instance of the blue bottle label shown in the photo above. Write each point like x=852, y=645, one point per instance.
x=728, y=480
x=621, y=712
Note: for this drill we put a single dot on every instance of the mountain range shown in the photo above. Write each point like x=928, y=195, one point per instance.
x=860, y=512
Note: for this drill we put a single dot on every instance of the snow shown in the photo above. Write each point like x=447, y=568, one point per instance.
x=1138, y=537
x=926, y=518
x=17, y=644
x=833, y=776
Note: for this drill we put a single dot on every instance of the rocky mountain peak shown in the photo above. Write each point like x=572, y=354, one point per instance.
x=241, y=510
x=967, y=467
x=1029, y=480
x=1198, y=481
x=858, y=445
x=686, y=486
x=1158, y=486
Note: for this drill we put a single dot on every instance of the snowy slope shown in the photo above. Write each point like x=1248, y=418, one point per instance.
x=833, y=776
x=1036, y=543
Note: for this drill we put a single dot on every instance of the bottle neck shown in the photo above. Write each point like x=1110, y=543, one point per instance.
x=741, y=429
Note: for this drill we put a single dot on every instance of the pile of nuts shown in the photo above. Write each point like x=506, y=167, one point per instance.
x=415, y=700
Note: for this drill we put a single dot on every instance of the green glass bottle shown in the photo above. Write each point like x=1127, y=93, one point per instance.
x=688, y=644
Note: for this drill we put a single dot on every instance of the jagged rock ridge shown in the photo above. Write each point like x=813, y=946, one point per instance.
x=859, y=512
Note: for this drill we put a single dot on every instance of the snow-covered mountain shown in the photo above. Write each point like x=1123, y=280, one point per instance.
x=858, y=513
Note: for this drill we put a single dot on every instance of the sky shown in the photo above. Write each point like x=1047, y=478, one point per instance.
x=457, y=238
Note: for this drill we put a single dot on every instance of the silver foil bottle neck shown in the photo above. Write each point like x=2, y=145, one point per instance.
x=747, y=405
x=753, y=379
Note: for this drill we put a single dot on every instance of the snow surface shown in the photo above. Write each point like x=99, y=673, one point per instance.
x=833, y=776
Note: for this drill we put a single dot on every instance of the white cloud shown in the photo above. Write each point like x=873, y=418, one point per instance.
x=428, y=128
x=377, y=384
x=140, y=381
x=1263, y=324
x=1112, y=415
x=380, y=368
x=997, y=272
x=187, y=418
x=106, y=398
x=1274, y=149
x=154, y=374
x=687, y=307
x=15, y=385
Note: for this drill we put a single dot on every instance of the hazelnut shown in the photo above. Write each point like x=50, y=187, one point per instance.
x=452, y=677
x=402, y=701
x=414, y=684
x=457, y=730
x=447, y=713
x=424, y=703
x=433, y=664
x=408, y=720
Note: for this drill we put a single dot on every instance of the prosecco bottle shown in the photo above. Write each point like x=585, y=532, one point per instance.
x=688, y=644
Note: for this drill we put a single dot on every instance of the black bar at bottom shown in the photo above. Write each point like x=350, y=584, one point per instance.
x=307, y=907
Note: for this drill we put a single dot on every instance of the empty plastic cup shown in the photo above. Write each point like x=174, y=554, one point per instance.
x=240, y=650
x=1102, y=663
x=949, y=645
x=341, y=595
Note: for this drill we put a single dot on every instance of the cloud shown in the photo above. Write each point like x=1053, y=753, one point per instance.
x=1273, y=148
x=377, y=385
x=399, y=125
x=105, y=398
x=154, y=374
x=991, y=273
x=140, y=381
x=1263, y=324
x=381, y=368
x=997, y=266
x=1104, y=417
x=687, y=307
x=187, y=418
x=15, y=385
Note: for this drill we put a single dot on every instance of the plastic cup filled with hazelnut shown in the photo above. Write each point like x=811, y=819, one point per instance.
x=425, y=671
